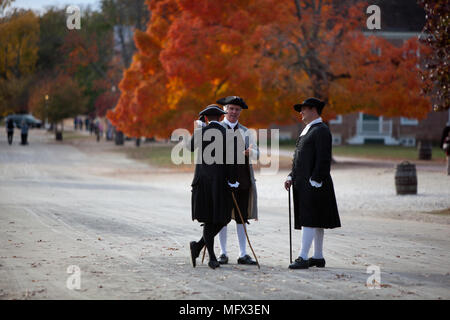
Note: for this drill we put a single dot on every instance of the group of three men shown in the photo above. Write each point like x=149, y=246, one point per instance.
x=223, y=190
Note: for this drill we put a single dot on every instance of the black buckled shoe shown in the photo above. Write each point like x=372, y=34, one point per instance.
x=194, y=252
x=213, y=264
x=319, y=263
x=246, y=260
x=223, y=259
x=299, y=263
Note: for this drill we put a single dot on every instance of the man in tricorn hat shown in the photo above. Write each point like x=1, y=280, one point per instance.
x=211, y=202
x=315, y=207
x=245, y=194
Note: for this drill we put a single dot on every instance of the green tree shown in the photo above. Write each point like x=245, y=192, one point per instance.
x=51, y=38
x=123, y=15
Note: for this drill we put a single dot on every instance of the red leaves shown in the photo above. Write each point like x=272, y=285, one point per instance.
x=195, y=51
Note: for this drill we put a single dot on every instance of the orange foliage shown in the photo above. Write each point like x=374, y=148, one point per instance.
x=272, y=53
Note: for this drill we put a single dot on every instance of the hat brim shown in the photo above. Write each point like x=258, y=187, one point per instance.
x=233, y=100
x=212, y=110
x=298, y=107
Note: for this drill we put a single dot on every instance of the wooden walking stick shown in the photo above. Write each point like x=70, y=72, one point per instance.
x=290, y=226
x=204, y=251
x=245, y=229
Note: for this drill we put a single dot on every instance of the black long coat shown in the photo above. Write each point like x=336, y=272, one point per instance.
x=211, y=199
x=314, y=207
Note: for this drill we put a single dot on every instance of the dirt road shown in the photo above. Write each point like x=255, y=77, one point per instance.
x=84, y=215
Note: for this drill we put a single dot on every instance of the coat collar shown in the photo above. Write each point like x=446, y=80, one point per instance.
x=216, y=124
x=309, y=125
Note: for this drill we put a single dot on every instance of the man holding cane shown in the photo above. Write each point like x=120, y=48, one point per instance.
x=315, y=207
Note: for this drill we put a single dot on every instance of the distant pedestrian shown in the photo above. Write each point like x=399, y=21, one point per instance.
x=24, y=132
x=10, y=130
x=86, y=123
x=446, y=147
x=97, y=130
x=100, y=129
x=109, y=132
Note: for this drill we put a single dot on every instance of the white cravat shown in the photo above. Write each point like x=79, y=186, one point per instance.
x=305, y=131
x=230, y=124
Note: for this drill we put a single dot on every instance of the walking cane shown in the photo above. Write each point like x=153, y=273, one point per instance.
x=204, y=251
x=290, y=226
x=245, y=229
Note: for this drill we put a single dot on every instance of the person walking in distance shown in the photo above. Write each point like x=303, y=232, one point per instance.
x=24, y=132
x=10, y=130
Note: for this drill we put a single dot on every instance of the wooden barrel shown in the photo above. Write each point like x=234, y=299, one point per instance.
x=425, y=150
x=406, y=178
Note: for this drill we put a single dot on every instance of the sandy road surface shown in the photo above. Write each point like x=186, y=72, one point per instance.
x=127, y=226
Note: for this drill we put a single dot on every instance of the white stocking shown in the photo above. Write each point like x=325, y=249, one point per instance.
x=318, y=243
x=223, y=240
x=307, y=239
x=242, y=240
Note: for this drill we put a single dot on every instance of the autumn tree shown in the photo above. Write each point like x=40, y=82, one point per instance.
x=148, y=100
x=57, y=99
x=19, y=34
x=273, y=53
x=283, y=51
x=89, y=57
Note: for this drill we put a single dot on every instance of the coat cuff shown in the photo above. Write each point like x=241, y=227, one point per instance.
x=315, y=184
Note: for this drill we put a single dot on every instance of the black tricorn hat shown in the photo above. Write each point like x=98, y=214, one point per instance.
x=212, y=110
x=233, y=100
x=310, y=102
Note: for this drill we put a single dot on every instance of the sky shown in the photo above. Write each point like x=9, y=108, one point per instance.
x=39, y=5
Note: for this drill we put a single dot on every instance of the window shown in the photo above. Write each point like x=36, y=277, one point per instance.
x=337, y=139
x=408, y=121
x=408, y=141
x=369, y=117
x=337, y=120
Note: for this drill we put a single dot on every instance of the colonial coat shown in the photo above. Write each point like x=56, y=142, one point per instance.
x=253, y=197
x=314, y=207
x=211, y=199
